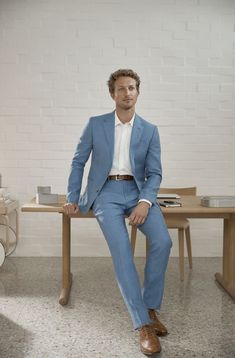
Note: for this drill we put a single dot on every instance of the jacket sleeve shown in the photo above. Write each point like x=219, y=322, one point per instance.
x=80, y=158
x=153, y=169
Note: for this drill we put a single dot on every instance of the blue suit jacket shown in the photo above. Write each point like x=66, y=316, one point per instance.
x=98, y=139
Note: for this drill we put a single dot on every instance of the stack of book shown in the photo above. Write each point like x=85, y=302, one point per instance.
x=45, y=197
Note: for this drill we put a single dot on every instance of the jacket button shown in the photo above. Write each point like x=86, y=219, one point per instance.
x=97, y=190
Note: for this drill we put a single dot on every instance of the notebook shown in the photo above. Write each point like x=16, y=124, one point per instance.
x=169, y=203
x=168, y=196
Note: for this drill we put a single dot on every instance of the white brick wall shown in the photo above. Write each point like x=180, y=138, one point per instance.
x=55, y=59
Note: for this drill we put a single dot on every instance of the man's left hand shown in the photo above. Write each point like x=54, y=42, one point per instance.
x=139, y=214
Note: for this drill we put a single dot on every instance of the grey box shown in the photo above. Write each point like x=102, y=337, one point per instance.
x=44, y=189
x=45, y=199
x=218, y=201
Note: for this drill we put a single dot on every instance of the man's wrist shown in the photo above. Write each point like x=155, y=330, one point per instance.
x=69, y=203
x=145, y=201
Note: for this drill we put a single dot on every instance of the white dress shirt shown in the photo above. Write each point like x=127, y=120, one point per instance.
x=122, y=138
x=121, y=158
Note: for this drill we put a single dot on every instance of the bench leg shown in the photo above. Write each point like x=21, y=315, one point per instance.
x=227, y=278
x=66, y=270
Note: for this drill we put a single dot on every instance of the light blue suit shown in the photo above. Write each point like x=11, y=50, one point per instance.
x=111, y=201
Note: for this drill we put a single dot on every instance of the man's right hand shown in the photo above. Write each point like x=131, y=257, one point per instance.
x=70, y=208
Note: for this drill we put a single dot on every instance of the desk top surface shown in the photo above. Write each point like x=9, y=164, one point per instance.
x=191, y=207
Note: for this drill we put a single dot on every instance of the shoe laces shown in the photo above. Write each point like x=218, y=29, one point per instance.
x=147, y=330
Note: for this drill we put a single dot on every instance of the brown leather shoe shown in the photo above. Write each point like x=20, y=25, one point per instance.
x=149, y=342
x=159, y=328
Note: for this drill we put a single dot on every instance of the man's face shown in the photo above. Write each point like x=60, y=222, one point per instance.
x=125, y=93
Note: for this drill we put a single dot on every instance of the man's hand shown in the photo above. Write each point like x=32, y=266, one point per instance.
x=139, y=214
x=70, y=208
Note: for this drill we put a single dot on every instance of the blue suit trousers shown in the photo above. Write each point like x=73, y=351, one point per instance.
x=116, y=201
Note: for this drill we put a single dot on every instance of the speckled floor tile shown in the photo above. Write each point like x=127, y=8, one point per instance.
x=200, y=316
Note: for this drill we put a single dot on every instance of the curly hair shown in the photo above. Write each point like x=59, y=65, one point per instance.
x=122, y=73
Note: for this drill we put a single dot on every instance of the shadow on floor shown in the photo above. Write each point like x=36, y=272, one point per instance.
x=14, y=339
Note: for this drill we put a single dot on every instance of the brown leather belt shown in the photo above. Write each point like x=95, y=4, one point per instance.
x=120, y=177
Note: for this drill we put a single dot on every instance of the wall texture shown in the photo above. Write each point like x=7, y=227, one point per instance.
x=55, y=59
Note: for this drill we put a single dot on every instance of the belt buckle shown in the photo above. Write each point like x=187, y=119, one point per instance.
x=117, y=179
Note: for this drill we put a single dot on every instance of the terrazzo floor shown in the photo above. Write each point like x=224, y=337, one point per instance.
x=200, y=316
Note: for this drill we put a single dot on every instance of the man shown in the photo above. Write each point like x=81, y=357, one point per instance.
x=123, y=180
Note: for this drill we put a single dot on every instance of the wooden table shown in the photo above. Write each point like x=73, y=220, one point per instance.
x=191, y=208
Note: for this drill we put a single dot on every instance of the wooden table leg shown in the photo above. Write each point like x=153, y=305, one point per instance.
x=227, y=279
x=66, y=271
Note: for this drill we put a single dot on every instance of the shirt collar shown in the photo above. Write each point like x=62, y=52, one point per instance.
x=118, y=122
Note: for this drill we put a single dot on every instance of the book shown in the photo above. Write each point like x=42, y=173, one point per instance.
x=168, y=196
x=45, y=199
x=170, y=203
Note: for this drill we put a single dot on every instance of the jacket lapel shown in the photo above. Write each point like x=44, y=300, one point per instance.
x=135, y=138
x=108, y=124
